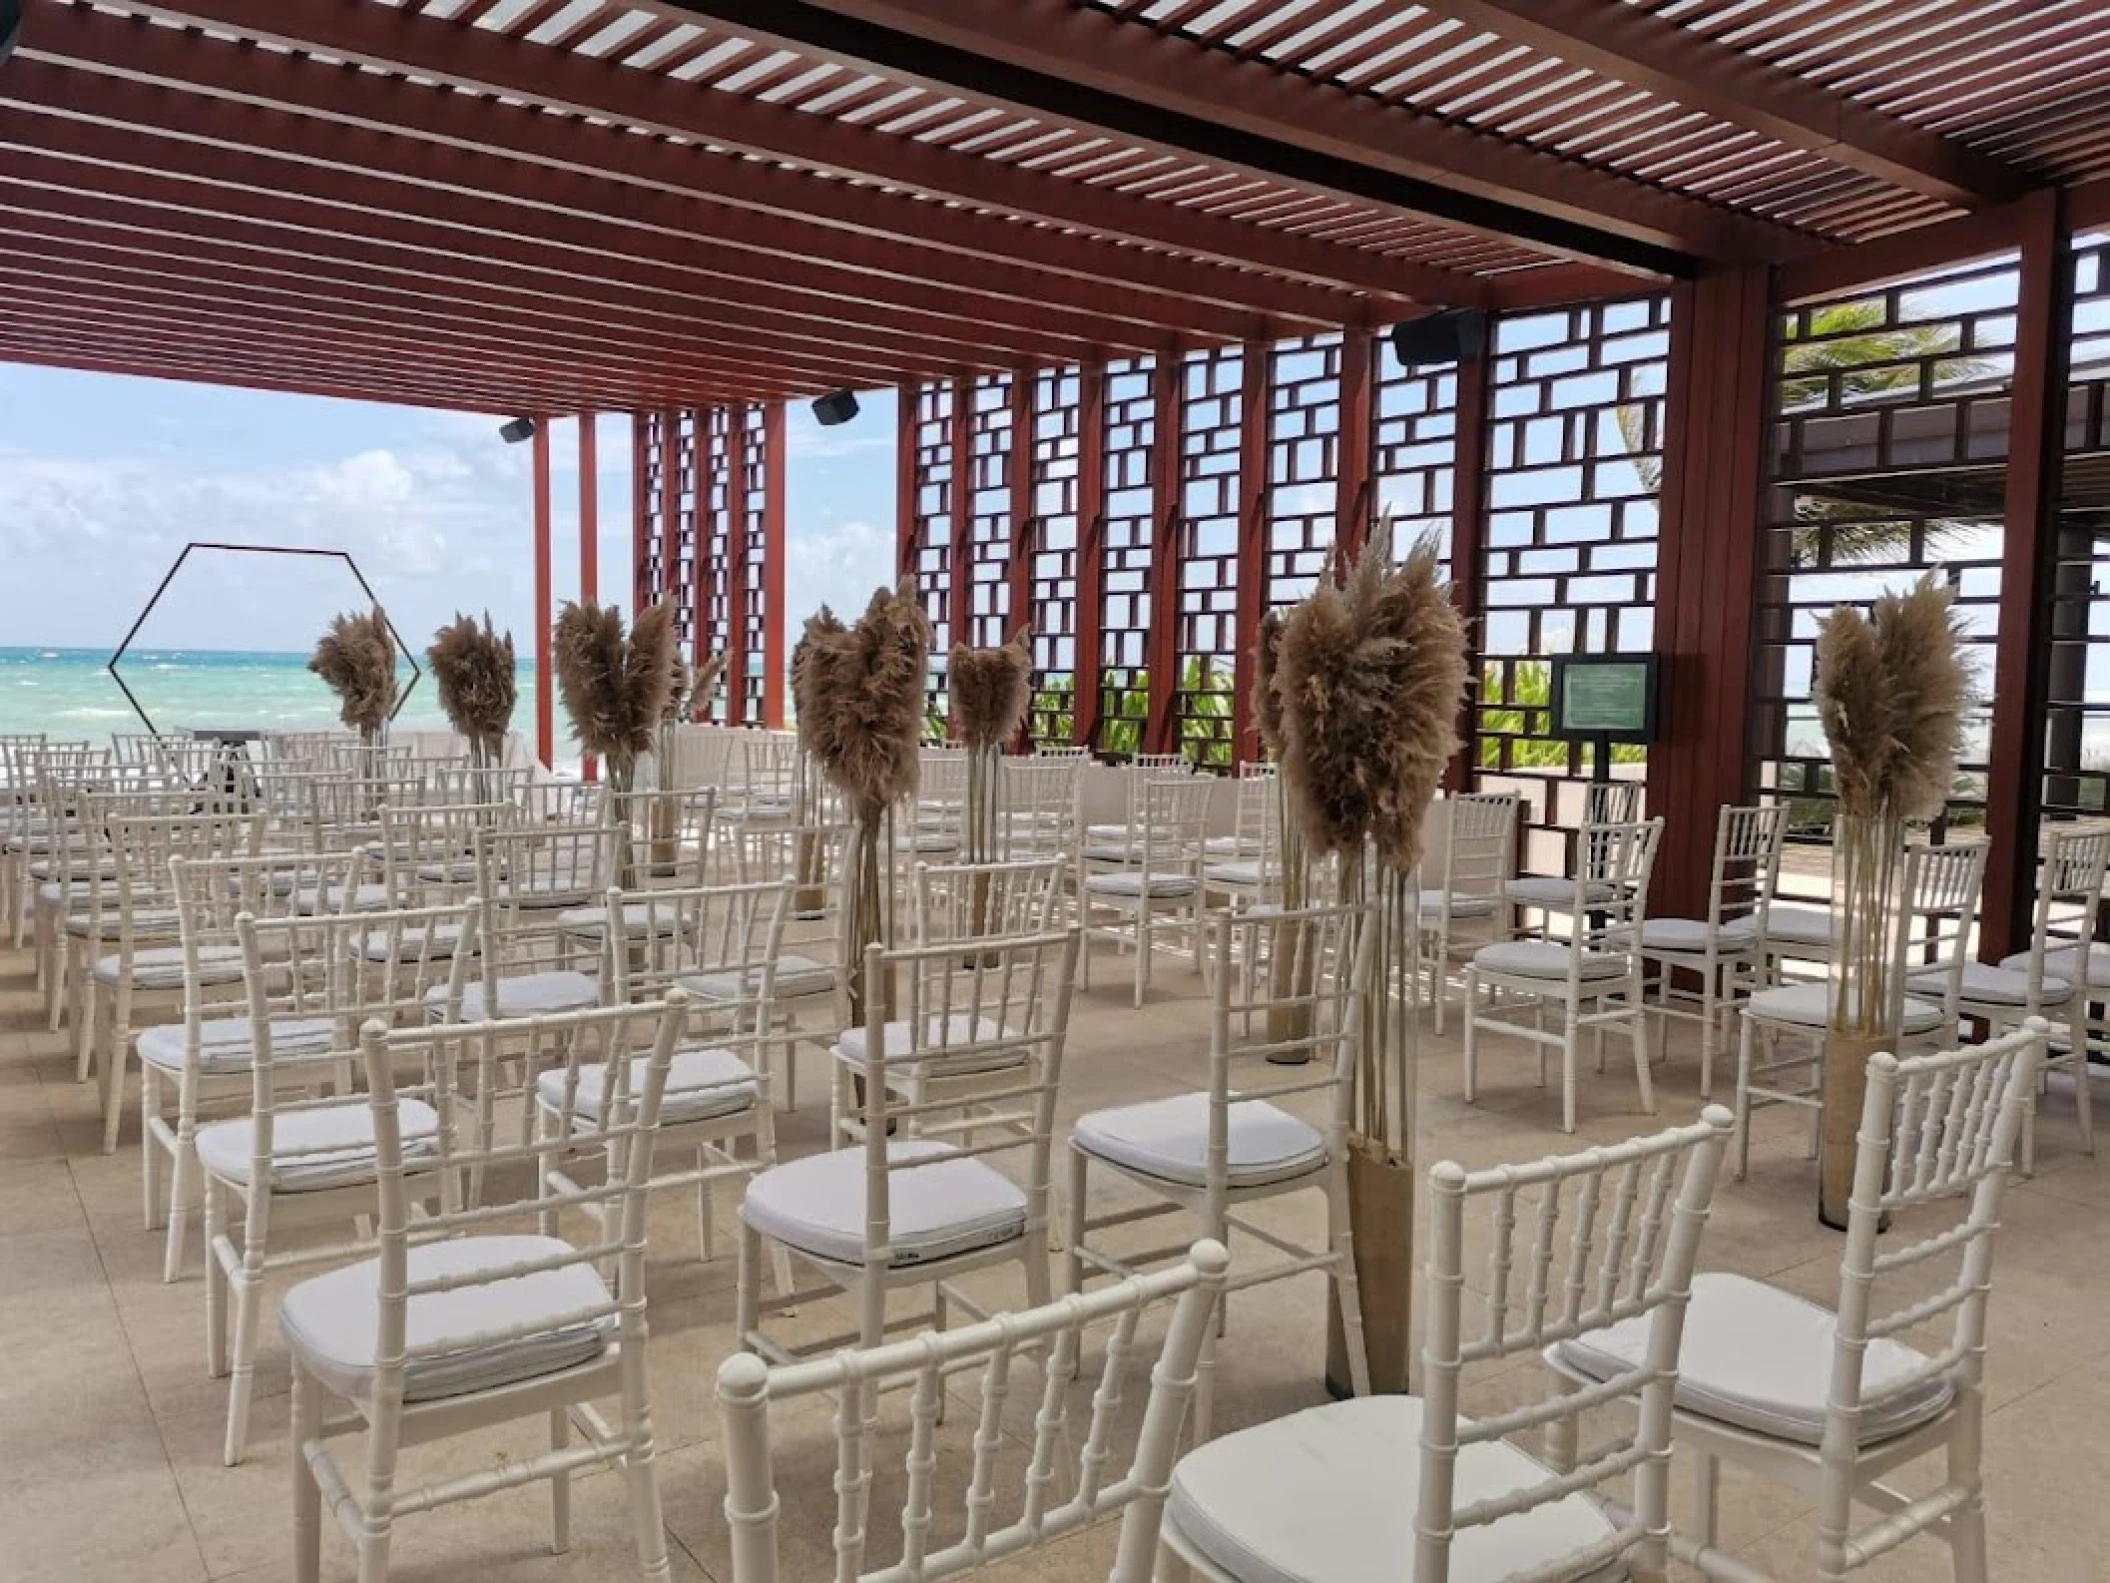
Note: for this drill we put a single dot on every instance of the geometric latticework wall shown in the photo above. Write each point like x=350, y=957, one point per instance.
x=1211, y=513
x=2077, y=736
x=1133, y=517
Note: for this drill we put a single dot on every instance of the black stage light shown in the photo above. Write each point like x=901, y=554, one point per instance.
x=840, y=407
x=1451, y=336
x=517, y=430
x=10, y=27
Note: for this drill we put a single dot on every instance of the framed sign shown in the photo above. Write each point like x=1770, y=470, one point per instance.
x=1605, y=697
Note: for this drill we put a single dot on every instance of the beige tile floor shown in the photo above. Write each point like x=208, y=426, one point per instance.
x=110, y=1429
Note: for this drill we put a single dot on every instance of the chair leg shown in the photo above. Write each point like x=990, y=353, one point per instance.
x=1710, y=1032
x=1568, y=1052
x=307, y=1494
x=747, y=1295
x=1080, y=1170
x=183, y=1187
x=1743, y=1100
x=150, y=1207
x=1561, y=1433
x=1637, y=1033
x=1707, y=1499
x=559, y=1485
x=1471, y=1055
x=215, y=1283
x=1967, y=1546
x=248, y=1306
x=706, y=1222
x=2082, y=1107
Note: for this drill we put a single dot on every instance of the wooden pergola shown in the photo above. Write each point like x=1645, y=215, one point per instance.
x=1131, y=265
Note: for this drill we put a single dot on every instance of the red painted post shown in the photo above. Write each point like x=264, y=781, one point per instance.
x=736, y=518
x=959, y=581
x=773, y=613
x=1025, y=527
x=907, y=404
x=1085, y=692
x=699, y=531
x=545, y=717
x=1256, y=504
x=669, y=505
x=2021, y=676
x=1162, y=649
x=589, y=536
x=641, y=502
x=1352, y=447
x=1468, y=543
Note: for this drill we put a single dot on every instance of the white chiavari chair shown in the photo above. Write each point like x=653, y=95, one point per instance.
x=1477, y=860
x=470, y=1318
x=1410, y=1486
x=1115, y=843
x=427, y=851
x=1050, y=1505
x=293, y=1164
x=671, y=837
x=1723, y=950
x=1938, y=897
x=1592, y=978
x=1123, y=904
x=66, y=856
x=1550, y=895
x=907, y=1212
x=961, y=902
x=23, y=822
x=1038, y=816
x=765, y=777
x=936, y=823
x=1245, y=867
x=1210, y=1153
x=1832, y=1403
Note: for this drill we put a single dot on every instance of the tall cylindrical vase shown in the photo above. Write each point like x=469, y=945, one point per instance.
x=1868, y=911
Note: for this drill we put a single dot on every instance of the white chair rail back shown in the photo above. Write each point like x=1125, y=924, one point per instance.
x=965, y=901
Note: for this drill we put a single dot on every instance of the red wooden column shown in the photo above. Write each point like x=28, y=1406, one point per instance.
x=1711, y=540
x=1254, y=488
x=2036, y=443
x=589, y=535
x=698, y=457
x=1018, y=480
x=773, y=613
x=1468, y=547
x=545, y=687
x=1352, y=448
x=669, y=504
x=906, y=403
x=737, y=506
x=1162, y=652
x=959, y=580
x=1085, y=693
x=641, y=503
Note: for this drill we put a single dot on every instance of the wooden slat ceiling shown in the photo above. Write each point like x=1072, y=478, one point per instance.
x=547, y=205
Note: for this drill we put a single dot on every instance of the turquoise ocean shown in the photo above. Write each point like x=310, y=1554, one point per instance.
x=69, y=694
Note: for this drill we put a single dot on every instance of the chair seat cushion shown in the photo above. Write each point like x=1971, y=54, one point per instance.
x=1106, y=834
x=1761, y=1358
x=148, y=924
x=162, y=967
x=639, y=918
x=1136, y=883
x=78, y=892
x=938, y=1211
x=897, y=1041
x=1231, y=845
x=1169, y=1139
x=1688, y=936
x=1794, y=923
x=1551, y=890
x=1242, y=871
x=560, y=893
x=332, y=1322
x=1111, y=852
x=1986, y=985
x=797, y=977
x=1810, y=1006
x=410, y=944
x=701, y=1085
x=224, y=1044
x=2066, y=963
x=369, y=897
x=315, y=1148
x=523, y=995
x=1546, y=959
x=452, y=871
x=1463, y=905
x=1328, y=1495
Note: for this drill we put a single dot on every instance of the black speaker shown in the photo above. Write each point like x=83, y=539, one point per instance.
x=840, y=407
x=517, y=430
x=1451, y=336
x=10, y=27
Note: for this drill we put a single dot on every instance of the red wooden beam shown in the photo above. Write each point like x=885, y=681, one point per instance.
x=1167, y=557
x=66, y=353
x=1469, y=550
x=1094, y=68
x=1901, y=255
x=496, y=63
x=545, y=680
x=589, y=536
x=1353, y=484
x=1087, y=656
x=1256, y=500
x=736, y=516
x=773, y=619
x=2021, y=672
x=1628, y=44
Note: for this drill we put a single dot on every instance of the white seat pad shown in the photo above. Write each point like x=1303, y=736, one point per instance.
x=524, y=995
x=1463, y=905
x=1169, y=1139
x=1688, y=936
x=1551, y=890
x=224, y=1046
x=1789, y=923
x=326, y=1146
x=638, y=917
x=1106, y=833
x=369, y=897
x=897, y=1041
x=797, y=976
x=162, y=966
x=1546, y=959
x=1986, y=985
x=147, y=924
x=410, y=944
x=1810, y=1006
x=939, y=1211
x=1328, y=1495
x=1230, y=845
x=1135, y=882
x=332, y=1322
x=1105, y=853
x=2066, y=962
x=1245, y=871
x=1761, y=1358
x=456, y=871
x=701, y=1085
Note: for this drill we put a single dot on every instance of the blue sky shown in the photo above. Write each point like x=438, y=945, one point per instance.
x=103, y=480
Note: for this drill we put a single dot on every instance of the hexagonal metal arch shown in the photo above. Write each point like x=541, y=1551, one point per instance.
x=416, y=671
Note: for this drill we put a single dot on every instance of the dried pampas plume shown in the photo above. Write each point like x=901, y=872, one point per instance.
x=703, y=688
x=1266, y=662
x=1892, y=688
x=356, y=656
x=475, y=671
x=615, y=687
x=990, y=689
x=1371, y=675
x=859, y=691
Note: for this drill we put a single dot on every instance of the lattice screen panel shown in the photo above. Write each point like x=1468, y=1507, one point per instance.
x=1574, y=463
x=935, y=479
x=1123, y=668
x=670, y=478
x=1412, y=456
x=1053, y=587
x=1303, y=458
x=2077, y=734
x=986, y=618
x=752, y=536
x=714, y=633
x=1211, y=504
x=1887, y=456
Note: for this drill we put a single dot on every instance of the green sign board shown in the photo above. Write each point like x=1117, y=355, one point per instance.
x=1605, y=696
